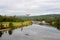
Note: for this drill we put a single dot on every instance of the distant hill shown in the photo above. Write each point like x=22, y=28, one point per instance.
x=41, y=16
x=52, y=15
x=49, y=15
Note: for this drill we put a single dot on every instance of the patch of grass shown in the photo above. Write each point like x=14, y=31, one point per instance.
x=16, y=24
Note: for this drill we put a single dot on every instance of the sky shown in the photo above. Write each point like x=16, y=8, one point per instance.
x=32, y=7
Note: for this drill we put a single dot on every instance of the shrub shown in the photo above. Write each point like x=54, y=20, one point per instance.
x=10, y=25
x=1, y=26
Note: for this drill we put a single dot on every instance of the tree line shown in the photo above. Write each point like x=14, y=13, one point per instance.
x=10, y=19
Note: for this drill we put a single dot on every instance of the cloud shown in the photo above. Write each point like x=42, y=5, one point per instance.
x=33, y=7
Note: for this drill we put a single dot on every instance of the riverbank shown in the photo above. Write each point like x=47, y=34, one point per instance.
x=14, y=25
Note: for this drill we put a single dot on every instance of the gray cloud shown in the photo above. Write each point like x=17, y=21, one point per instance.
x=33, y=7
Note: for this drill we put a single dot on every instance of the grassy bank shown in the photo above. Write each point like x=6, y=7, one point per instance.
x=7, y=25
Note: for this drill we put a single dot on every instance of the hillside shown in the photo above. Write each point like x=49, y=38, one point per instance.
x=41, y=16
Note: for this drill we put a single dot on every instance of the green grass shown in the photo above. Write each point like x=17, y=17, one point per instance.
x=16, y=24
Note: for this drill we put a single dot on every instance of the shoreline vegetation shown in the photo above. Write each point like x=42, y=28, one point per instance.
x=16, y=22
x=12, y=25
x=12, y=22
x=52, y=21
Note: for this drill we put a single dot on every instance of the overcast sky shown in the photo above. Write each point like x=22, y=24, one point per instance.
x=33, y=7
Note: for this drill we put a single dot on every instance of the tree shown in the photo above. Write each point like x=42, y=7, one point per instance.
x=11, y=25
x=1, y=26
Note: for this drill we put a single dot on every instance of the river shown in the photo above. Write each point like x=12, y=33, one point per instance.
x=32, y=32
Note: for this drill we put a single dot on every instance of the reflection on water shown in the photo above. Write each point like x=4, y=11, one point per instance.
x=21, y=28
x=33, y=32
x=10, y=32
x=56, y=25
x=1, y=33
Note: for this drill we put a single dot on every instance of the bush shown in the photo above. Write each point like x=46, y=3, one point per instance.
x=10, y=25
x=1, y=26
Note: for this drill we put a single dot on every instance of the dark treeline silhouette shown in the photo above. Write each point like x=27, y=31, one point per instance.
x=10, y=19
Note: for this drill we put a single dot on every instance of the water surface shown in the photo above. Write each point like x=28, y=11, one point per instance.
x=33, y=32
